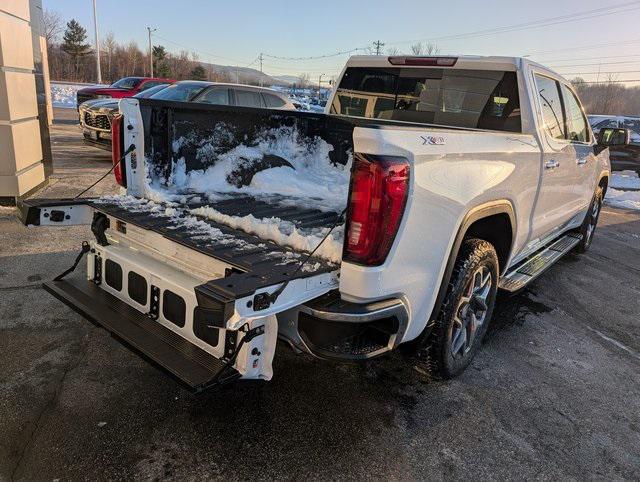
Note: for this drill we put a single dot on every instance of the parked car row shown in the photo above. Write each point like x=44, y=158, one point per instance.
x=96, y=113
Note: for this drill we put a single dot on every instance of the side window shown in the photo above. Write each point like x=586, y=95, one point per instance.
x=248, y=98
x=605, y=123
x=552, y=114
x=576, y=123
x=273, y=101
x=215, y=96
x=149, y=84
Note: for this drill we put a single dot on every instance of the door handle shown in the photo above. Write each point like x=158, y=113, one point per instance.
x=551, y=164
x=582, y=161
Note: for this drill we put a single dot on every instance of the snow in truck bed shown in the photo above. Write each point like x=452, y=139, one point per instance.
x=310, y=182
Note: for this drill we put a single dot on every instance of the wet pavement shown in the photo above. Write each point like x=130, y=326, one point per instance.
x=554, y=393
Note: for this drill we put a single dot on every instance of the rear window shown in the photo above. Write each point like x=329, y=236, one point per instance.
x=482, y=99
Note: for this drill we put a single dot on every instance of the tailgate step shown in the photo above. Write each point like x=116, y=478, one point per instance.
x=189, y=364
x=527, y=271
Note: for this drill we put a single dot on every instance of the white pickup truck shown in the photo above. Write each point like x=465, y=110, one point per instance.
x=444, y=180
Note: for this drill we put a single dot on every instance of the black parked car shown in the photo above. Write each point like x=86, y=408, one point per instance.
x=96, y=115
x=623, y=157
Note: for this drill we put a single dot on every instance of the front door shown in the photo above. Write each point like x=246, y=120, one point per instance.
x=580, y=138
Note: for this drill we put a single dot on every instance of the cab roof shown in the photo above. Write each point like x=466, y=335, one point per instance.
x=479, y=62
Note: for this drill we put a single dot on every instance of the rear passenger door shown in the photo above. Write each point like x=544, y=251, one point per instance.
x=557, y=199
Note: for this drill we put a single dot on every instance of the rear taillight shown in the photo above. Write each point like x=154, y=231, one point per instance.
x=424, y=61
x=377, y=198
x=116, y=149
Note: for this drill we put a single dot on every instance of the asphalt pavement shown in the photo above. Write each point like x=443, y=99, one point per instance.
x=554, y=393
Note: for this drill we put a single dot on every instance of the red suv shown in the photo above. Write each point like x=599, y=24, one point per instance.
x=125, y=87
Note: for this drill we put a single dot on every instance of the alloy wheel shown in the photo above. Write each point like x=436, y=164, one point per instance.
x=471, y=312
x=593, y=219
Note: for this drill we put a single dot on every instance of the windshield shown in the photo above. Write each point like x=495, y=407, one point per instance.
x=480, y=99
x=149, y=92
x=180, y=92
x=127, y=83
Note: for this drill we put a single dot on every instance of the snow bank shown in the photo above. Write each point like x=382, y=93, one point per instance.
x=64, y=94
x=282, y=232
x=623, y=199
x=625, y=180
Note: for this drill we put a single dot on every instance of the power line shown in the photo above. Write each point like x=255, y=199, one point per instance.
x=337, y=54
x=378, y=46
x=600, y=73
x=605, y=81
x=573, y=59
x=596, y=64
x=573, y=17
x=585, y=47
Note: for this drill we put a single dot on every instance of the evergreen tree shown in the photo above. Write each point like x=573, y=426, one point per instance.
x=198, y=73
x=160, y=66
x=73, y=43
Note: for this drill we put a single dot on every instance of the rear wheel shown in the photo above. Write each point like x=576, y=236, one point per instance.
x=466, y=311
x=590, y=221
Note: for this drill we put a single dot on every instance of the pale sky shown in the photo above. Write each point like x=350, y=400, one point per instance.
x=583, y=36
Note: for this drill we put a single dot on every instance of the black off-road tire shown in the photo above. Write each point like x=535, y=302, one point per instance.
x=590, y=221
x=435, y=355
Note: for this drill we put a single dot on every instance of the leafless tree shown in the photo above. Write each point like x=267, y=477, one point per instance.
x=393, y=51
x=424, y=49
x=303, y=80
x=109, y=46
x=52, y=26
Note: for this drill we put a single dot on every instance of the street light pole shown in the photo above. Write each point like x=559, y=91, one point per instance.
x=149, y=29
x=319, y=81
x=95, y=24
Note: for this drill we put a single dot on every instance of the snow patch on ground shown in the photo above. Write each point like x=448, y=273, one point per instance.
x=623, y=199
x=281, y=232
x=624, y=190
x=625, y=180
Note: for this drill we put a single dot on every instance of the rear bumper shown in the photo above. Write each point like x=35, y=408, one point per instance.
x=331, y=328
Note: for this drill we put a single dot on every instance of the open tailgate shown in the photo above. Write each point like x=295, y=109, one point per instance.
x=147, y=283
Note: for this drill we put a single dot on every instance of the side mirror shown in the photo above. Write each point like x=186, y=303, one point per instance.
x=614, y=137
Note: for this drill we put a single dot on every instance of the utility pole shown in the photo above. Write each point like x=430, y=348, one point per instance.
x=260, y=57
x=237, y=75
x=149, y=29
x=319, y=81
x=378, y=45
x=95, y=24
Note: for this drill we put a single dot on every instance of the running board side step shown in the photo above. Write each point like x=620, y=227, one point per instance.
x=527, y=271
x=185, y=362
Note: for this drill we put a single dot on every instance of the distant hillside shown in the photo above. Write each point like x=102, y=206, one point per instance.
x=248, y=75
x=288, y=79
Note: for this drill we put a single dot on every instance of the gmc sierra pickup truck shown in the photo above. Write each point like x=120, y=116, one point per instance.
x=390, y=220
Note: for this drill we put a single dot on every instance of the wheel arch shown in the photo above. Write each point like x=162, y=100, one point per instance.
x=477, y=222
x=603, y=182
